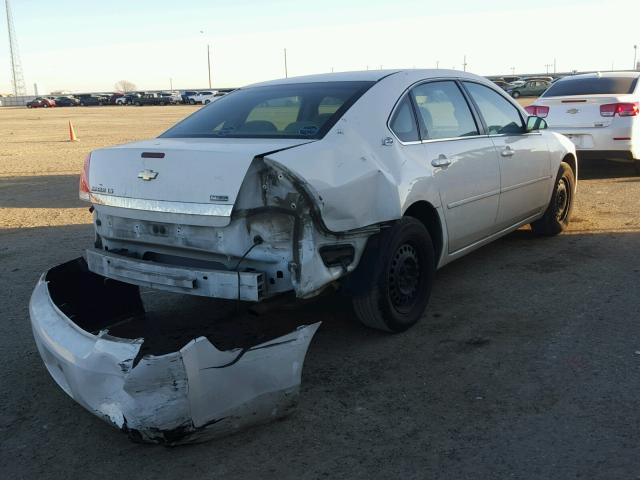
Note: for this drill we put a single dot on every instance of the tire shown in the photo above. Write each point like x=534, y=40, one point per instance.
x=515, y=94
x=556, y=218
x=192, y=101
x=207, y=102
x=401, y=279
x=29, y=106
x=44, y=105
x=138, y=104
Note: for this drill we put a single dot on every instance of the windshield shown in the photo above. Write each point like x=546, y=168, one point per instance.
x=592, y=86
x=298, y=110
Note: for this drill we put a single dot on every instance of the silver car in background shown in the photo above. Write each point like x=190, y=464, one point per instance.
x=366, y=181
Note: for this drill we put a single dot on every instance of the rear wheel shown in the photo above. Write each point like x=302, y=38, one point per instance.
x=516, y=94
x=556, y=218
x=402, y=279
x=192, y=101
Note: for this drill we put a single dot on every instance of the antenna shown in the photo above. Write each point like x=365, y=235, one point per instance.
x=16, y=67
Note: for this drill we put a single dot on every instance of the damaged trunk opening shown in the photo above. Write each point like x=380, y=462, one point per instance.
x=165, y=368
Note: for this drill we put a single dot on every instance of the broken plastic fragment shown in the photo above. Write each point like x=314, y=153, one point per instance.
x=193, y=394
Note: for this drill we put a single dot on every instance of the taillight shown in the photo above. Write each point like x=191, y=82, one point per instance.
x=84, y=180
x=621, y=109
x=537, y=110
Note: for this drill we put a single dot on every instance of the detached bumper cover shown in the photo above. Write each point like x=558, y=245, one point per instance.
x=189, y=395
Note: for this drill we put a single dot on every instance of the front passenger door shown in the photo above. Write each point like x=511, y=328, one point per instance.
x=524, y=158
x=464, y=162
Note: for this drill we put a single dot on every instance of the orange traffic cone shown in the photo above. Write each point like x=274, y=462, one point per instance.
x=72, y=133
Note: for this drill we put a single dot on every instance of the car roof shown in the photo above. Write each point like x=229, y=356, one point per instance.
x=367, y=75
x=603, y=75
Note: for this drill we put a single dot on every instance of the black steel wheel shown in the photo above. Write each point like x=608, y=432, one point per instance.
x=558, y=214
x=402, y=272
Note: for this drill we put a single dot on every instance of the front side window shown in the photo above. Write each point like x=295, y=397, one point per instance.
x=296, y=110
x=443, y=111
x=501, y=117
x=403, y=123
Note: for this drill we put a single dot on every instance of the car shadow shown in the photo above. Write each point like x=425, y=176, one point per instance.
x=592, y=169
x=35, y=192
x=516, y=335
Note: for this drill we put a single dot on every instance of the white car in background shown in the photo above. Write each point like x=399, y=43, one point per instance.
x=202, y=97
x=598, y=112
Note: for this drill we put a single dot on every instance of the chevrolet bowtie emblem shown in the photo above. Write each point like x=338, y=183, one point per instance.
x=147, y=175
x=573, y=111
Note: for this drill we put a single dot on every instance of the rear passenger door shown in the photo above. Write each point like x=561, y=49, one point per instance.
x=464, y=162
x=524, y=158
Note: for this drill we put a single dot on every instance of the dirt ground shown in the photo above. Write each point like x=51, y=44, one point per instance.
x=526, y=364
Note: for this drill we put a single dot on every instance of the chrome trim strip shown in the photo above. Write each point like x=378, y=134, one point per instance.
x=473, y=199
x=188, y=208
x=448, y=139
x=524, y=184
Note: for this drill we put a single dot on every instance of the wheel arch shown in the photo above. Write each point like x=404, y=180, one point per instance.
x=428, y=215
x=571, y=160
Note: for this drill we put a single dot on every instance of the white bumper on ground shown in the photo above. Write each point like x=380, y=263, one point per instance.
x=189, y=395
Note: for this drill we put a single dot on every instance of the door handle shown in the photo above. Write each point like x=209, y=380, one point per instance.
x=442, y=161
x=507, y=152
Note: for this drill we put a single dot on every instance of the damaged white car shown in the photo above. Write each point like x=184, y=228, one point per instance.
x=367, y=181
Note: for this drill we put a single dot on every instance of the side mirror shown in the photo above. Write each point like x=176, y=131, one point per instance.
x=535, y=123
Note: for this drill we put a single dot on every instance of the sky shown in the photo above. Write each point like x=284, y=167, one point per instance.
x=86, y=45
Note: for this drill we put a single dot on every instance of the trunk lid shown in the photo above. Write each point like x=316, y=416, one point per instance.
x=187, y=176
x=579, y=111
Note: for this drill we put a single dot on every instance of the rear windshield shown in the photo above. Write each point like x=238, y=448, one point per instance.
x=298, y=110
x=592, y=86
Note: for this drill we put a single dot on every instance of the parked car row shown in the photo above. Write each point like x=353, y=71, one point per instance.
x=524, y=87
x=48, y=102
x=131, y=98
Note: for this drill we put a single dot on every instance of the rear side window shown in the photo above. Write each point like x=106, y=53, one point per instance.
x=592, y=86
x=443, y=111
x=403, y=123
x=296, y=110
x=499, y=114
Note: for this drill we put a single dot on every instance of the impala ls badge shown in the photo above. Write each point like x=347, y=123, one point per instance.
x=573, y=111
x=147, y=175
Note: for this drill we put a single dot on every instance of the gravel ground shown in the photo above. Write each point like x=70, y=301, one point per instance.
x=526, y=364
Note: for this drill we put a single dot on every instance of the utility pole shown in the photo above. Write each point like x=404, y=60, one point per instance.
x=547, y=65
x=513, y=71
x=554, y=66
x=209, y=63
x=635, y=57
x=286, y=71
x=171, y=84
x=464, y=64
x=437, y=64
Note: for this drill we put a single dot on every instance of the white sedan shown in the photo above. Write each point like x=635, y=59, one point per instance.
x=598, y=112
x=368, y=181
x=202, y=97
